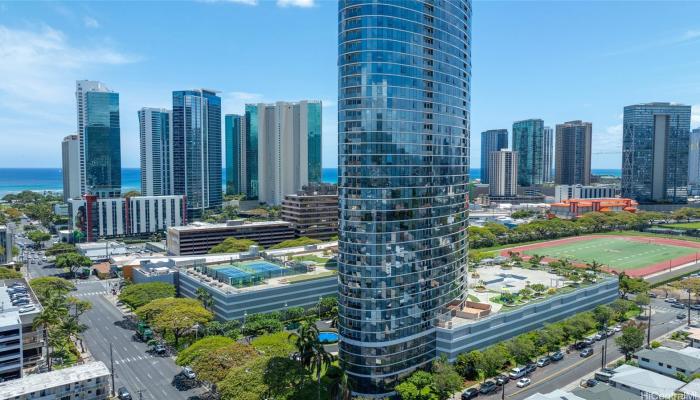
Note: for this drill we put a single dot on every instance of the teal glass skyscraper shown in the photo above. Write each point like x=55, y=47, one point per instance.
x=235, y=145
x=197, y=149
x=403, y=161
x=528, y=141
x=655, y=144
x=102, y=144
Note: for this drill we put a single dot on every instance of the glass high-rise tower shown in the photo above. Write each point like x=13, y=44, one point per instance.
x=102, y=144
x=655, y=141
x=403, y=157
x=196, y=137
x=528, y=141
x=156, y=151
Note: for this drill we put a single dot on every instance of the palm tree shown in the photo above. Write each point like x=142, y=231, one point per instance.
x=205, y=298
x=334, y=317
x=535, y=260
x=320, y=360
x=304, y=340
x=594, y=266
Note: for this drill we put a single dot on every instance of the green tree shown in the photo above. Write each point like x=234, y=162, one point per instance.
x=61, y=248
x=72, y=262
x=213, y=366
x=493, y=359
x=232, y=245
x=418, y=386
x=7, y=273
x=446, y=381
x=174, y=315
x=140, y=294
x=132, y=193
x=603, y=316
x=298, y=242
x=594, y=266
x=283, y=377
x=202, y=348
x=632, y=285
x=631, y=340
x=274, y=344
x=467, y=364
x=50, y=285
x=535, y=260
x=245, y=382
x=522, y=349
x=205, y=297
x=538, y=288
x=38, y=236
x=312, y=354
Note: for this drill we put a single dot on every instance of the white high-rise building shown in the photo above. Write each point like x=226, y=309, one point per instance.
x=283, y=148
x=503, y=173
x=156, y=146
x=70, y=149
x=81, y=90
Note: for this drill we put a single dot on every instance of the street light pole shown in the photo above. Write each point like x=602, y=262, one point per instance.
x=688, y=307
x=649, y=328
x=111, y=362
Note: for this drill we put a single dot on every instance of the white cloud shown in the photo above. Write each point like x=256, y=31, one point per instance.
x=90, y=22
x=38, y=64
x=328, y=103
x=296, y=3
x=234, y=102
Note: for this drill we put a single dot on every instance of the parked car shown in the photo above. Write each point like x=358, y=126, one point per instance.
x=590, y=382
x=558, y=356
x=681, y=316
x=517, y=372
x=26, y=309
x=188, y=373
x=544, y=361
x=488, y=387
x=470, y=393
x=598, y=337
x=610, y=332
x=652, y=295
x=587, y=352
x=670, y=300
x=695, y=307
x=502, y=379
x=588, y=341
x=123, y=394
x=530, y=368
x=523, y=382
x=160, y=349
x=580, y=345
x=617, y=328
x=677, y=305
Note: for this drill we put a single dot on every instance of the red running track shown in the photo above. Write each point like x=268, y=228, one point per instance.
x=639, y=272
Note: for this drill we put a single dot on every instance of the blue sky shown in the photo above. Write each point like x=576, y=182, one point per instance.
x=557, y=61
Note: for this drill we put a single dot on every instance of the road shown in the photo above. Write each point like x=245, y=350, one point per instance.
x=134, y=367
x=573, y=368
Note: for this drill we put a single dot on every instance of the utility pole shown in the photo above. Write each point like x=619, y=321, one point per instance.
x=649, y=328
x=503, y=391
x=688, y=307
x=111, y=362
x=605, y=346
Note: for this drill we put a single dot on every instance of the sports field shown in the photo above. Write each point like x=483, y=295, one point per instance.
x=636, y=255
x=689, y=226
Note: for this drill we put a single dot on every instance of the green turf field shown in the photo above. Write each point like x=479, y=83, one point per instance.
x=689, y=225
x=617, y=253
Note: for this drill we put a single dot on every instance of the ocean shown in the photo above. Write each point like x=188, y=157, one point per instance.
x=14, y=180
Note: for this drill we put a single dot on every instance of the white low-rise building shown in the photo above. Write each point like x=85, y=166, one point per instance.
x=89, y=381
x=644, y=383
x=669, y=361
x=564, y=192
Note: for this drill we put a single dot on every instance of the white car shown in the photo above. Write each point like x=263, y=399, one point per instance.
x=670, y=300
x=187, y=371
x=523, y=382
x=617, y=328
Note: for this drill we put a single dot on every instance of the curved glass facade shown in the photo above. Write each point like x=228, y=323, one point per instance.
x=403, y=149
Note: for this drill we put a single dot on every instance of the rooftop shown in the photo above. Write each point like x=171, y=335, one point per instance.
x=555, y=395
x=676, y=358
x=691, y=388
x=226, y=225
x=604, y=392
x=646, y=381
x=47, y=380
x=6, y=302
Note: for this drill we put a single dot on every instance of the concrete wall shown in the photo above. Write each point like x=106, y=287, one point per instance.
x=505, y=325
x=262, y=299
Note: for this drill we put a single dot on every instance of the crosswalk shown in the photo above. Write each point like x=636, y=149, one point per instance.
x=89, y=294
x=127, y=360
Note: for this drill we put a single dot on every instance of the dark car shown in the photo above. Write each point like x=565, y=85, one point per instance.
x=502, y=380
x=530, y=368
x=579, y=346
x=652, y=295
x=470, y=394
x=591, y=382
x=677, y=305
x=680, y=316
x=123, y=394
x=488, y=387
x=558, y=356
x=695, y=307
x=587, y=352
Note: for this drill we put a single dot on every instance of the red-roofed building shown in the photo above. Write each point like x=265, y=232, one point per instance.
x=573, y=208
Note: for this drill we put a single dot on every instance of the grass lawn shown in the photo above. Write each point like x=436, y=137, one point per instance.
x=615, y=252
x=307, y=277
x=688, y=226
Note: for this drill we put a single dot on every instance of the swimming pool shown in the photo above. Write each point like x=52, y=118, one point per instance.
x=327, y=337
